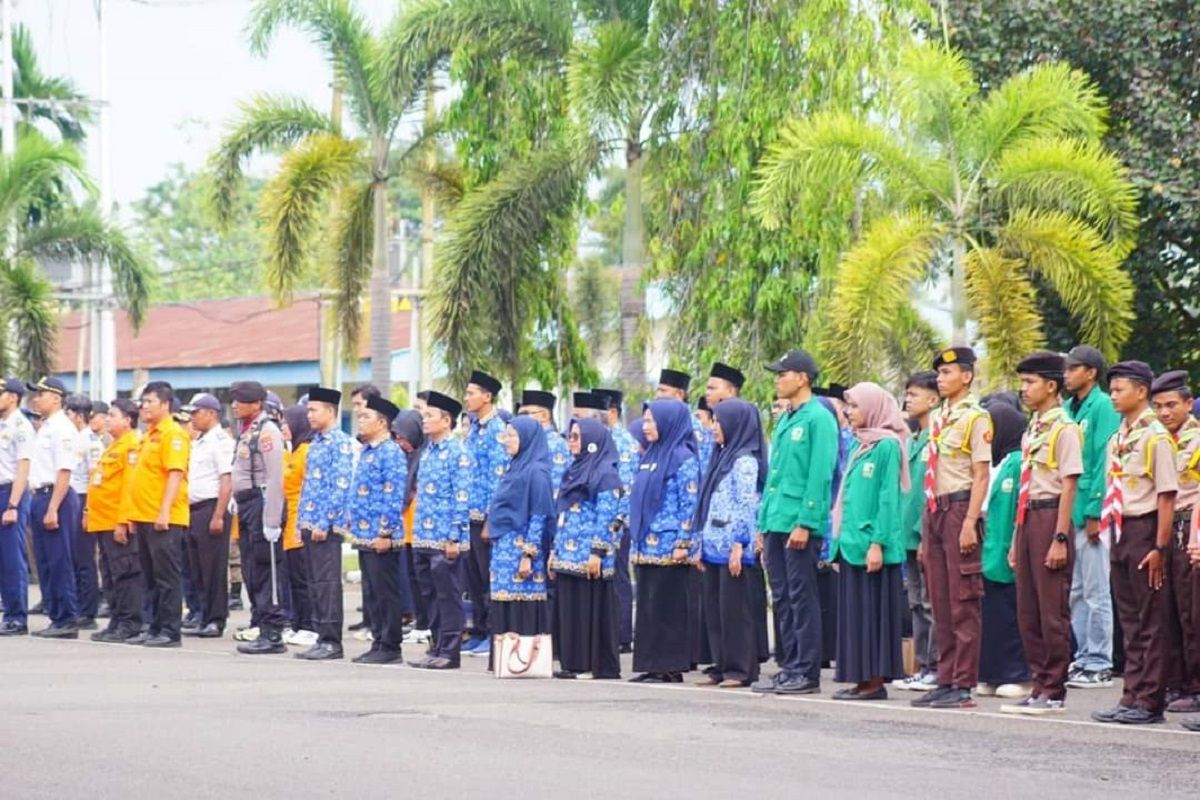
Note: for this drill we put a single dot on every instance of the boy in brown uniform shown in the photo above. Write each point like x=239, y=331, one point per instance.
x=1139, y=507
x=1042, y=552
x=956, y=483
x=1173, y=404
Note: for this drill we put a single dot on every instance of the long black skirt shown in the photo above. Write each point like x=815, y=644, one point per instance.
x=1001, y=654
x=730, y=624
x=870, y=623
x=662, y=638
x=700, y=649
x=586, y=626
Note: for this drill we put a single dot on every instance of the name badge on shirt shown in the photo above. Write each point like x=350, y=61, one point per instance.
x=797, y=434
x=868, y=470
x=1006, y=485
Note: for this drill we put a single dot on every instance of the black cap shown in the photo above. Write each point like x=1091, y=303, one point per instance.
x=728, y=373
x=48, y=384
x=614, y=396
x=1044, y=363
x=13, y=385
x=963, y=356
x=1087, y=356
x=1138, y=371
x=536, y=397
x=423, y=396
x=319, y=394
x=248, y=392
x=675, y=378
x=383, y=406
x=485, y=382
x=445, y=403
x=1174, y=381
x=592, y=400
x=795, y=361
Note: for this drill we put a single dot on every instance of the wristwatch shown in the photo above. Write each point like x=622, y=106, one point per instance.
x=1060, y=537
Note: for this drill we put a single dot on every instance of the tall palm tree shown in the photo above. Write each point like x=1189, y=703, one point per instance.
x=326, y=173
x=1000, y=191
x=43, y=98
x=64, y=230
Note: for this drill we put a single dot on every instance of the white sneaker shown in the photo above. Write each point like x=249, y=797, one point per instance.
x=1013, y=691
x=247, y=635
x=1034, y=707
x=363, y=635
x=288, y=635
x=986, y=690
x=585, y=676
x=921, y=682
x=416, y=636
x=301, y=638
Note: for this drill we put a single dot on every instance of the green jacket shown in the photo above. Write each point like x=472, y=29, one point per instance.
x=1001, y=518
x=1098, y=421
x=914, y=499
x=804, y=454
x=871, y=507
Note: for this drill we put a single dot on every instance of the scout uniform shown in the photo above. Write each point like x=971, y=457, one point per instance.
x=961, y=437
x=485, y=446
x=108, y=485
x=16, y=445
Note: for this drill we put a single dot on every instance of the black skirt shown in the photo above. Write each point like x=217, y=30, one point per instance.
x=522, y=617
x=586, y=626
x=870, y=621
x=662, y=632
x=1001, y=654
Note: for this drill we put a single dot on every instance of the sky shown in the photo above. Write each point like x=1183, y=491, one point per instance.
x=177, y=71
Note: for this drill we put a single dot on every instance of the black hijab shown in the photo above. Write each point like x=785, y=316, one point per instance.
x=741, y=427
x=676, y=443
x=407, y=426
x=296, y=418
x=1008, y=426
x=594, y=470
x=524, y=490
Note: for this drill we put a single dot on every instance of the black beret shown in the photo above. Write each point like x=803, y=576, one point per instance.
x=1138, y=371
x=383, y=406
x=445, y=403
x=320, y=394
x=1043, y=363
x=485, y=382
x=1174, y=381
x=248, y=392
x=589, y=400
x=536, y=397
x=675, y=378
x=727, y=373
x=963, y=356
x=615, y=397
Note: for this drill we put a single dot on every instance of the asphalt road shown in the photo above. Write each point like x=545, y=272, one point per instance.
x=80, y=719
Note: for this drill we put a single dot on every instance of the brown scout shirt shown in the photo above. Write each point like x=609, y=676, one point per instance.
x=1147, y=467
x=1059, y=456
x=955, y=453
x=1187, y=462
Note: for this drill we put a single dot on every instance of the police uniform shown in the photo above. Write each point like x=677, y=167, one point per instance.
x=84, y=547
x=210, y=460
x=16, y=446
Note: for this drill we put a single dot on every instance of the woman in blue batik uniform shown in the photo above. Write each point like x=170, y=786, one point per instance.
x=583, y=562
x=661, y=509
x=522, y=504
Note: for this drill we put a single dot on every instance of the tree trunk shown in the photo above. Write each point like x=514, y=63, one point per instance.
x=381, y=294
x=633, y=304
x=958, y=291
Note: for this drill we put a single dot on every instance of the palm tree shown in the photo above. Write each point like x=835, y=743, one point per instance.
x=326, y=174
x=1004, y=192
x=63, y=230
x=45, y=99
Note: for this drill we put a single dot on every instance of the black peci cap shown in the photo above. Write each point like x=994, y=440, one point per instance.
x=319, y=394
x=383, y=406
x=536, y=397
x=615, y=397
x=485, y=382
x=728, y=373
x=445, y=403
x=675, y=379
x=962, y=356
x=589, y=400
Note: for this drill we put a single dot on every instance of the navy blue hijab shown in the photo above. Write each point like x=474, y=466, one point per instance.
x=742, y=429
x=661, y=460
x=594, y=470
x=524, y=490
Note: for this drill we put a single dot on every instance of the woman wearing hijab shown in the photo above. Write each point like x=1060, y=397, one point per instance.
x=584, y=558
x=869, y=546
x=407, y=432
x=520, y=508
x=661, y=509
x=1003, y=669
x=727, y=517
x=297, y=433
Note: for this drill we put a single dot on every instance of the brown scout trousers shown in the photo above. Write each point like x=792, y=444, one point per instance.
x=1183, y=665
x=1044, y=601
x=1144, y=615
x=955, y=590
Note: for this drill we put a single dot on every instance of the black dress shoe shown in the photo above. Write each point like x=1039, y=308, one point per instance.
x=109, y=636
x=566, y=675
x=379, y=657
x=86, y=623
x=13, y=629
x=358, y=626
x=441, y=663
x=235, y=604
x=805, y=686
x=210, y=631
x=58, y=632
x=322, y=651
x=161, y=641
x=262, y=646
x=136, y=638
x=852, y=693
x=40, y=608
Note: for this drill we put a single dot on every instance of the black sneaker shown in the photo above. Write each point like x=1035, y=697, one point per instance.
x=1092, y=679
x=955, y=698
x=927, y=699
x=1139, y=716
x=1109, y=715
x=13, y=629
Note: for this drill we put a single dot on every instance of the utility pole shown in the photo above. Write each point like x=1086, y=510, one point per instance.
x=330, y=336
x=104, y=351
x=419, y=346
x=8, y=112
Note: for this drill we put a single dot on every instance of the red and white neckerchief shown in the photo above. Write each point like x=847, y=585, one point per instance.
x=1112, y=514
x=1036, y=438
x=935, y=436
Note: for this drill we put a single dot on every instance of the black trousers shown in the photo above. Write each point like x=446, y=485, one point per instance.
x=623, y=583
x=439, y=582
x=208, y=559
x=729, y=622
x=479, y=580
x=324, y=562
x=125, y=582
x=300, y=586
x=83, y=556
x=161, y=553
x=796, y=594
x=420, y=608
x=381, y=571
x=256, y=550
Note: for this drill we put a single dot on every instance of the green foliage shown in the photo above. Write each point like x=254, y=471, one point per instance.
x=66, y=110
x=28, y=328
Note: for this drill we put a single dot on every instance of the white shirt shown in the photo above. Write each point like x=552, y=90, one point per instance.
x=55, y=449
x=210, y=458
x=16, y=444
x=88, y=449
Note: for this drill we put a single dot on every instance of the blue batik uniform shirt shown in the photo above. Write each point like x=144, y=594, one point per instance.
x=672, y=525
x=328, y=472
x=586, y=528
x=733, y=514
x=630, y=455
x=485, y=446
x=560, y=456
x=376, y=503
x=704, y=443
x=443, y=496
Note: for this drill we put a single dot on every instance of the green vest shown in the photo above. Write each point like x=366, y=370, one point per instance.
x=871, y=506
x=1001, y=519
x=804, y=453
x=914, y=499
x=1098, y=421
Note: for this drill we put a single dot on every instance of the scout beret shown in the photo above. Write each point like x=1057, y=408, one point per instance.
x=590, y=400
x=727, y=373
x=1174, y=381
x=445, y=403
x=795, y=361
x=383, y=406
x=535, y=397
x=675, y=378
x=320, y=394
x=615, y=397
x=485, y=382
x=1138, y=371
x=1043, y=363
x=248, y=392
x=963, y=356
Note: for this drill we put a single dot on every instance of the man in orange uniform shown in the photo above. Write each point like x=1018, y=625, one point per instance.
x=108, y=484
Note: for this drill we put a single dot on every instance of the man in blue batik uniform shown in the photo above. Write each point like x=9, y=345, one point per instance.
x=629, y=454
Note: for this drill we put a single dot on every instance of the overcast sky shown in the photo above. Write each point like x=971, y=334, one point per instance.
x=177, y=70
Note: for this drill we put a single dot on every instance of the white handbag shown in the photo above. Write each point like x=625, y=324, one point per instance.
x=519, y=656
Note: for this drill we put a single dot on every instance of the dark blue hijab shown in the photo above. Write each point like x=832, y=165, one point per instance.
x=742, y=429
x=661, y=460
x=524, y=490
x=594, y=470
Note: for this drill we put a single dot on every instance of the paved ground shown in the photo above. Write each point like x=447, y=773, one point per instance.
x=109, y=721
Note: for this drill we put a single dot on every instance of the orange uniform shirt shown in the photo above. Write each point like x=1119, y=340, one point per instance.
x=293, y=481
x=163, y=449
x=107, y=483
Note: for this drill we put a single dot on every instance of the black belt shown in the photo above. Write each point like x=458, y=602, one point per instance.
x=199, y=503
x=4, y=486
x=249, y=494
x=954, y=497
x=1044, y=503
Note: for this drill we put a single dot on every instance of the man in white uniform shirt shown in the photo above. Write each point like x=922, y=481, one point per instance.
x=210, y=465
x=16, y=453
x=54, y=509
x=84, y=549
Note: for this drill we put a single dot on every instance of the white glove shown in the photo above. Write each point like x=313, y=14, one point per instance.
x=233, y=506
x=272, y=535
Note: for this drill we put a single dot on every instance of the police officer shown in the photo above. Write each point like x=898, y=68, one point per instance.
x=258, y=495
x=84, y=547
x=16, y=453
x=207, y=541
